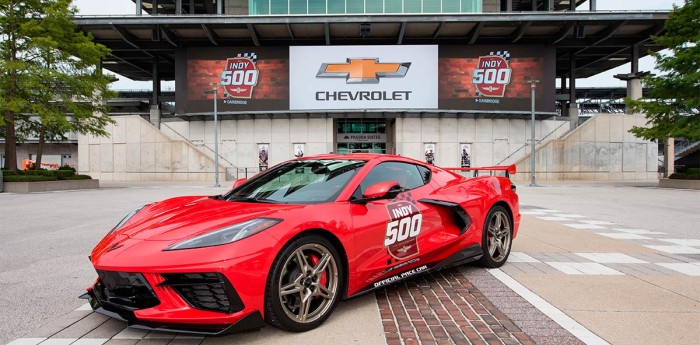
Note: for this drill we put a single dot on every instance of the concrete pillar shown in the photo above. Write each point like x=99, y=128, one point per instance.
x=634, y=88
x=509, y=5
x=592, y=5
x=155, y=8
x=178, y=7
x=138, y=7
x=572, y=5
x=573, y=115
x=669, y=157
x=634, y=84
x=154, y=116
x=550, y=5
x=573, y=109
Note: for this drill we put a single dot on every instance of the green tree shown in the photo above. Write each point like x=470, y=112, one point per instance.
x=60, y=88
x=70, y=93
x=14, y=43
x=673, y=98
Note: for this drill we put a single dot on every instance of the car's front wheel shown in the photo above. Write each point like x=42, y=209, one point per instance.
x=497, y=237
x=304, y=284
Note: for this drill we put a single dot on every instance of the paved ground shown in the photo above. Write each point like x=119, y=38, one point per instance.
x=635, y=204
x=594, y=263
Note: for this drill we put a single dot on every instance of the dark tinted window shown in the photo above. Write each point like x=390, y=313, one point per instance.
x=424, y=173
x=305, y=181
x=407, y=175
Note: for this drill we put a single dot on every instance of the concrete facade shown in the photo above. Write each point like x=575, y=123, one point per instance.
x=183, y=151
x=492, y=140
x=138, y=151
x=239, y=139
x=600, y=149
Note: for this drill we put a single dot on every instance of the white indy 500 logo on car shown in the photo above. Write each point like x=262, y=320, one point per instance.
x=402, y=229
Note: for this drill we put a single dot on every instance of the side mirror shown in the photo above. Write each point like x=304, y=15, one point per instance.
x=382, y=190
x=238, y=182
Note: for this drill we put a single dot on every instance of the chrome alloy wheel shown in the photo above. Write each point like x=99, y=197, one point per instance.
x=308, y=283
x=498, y=235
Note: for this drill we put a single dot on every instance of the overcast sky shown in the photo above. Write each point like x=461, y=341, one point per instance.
x=127, y=7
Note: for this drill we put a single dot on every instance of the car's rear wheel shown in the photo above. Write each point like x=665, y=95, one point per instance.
x=304, y=284
x=497, y=237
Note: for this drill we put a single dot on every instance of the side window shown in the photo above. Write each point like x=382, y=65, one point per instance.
x=409, y=176
x=425, y=173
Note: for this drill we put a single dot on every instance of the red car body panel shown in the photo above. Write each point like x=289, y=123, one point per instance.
x=360, y=229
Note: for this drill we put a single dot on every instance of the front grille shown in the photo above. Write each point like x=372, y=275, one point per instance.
x=130, y=290
x=206, y=291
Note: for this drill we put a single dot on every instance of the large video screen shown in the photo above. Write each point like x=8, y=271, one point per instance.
x=496, y=78
x=246, y=79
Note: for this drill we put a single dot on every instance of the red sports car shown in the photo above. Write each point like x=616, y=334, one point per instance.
x=286, y=245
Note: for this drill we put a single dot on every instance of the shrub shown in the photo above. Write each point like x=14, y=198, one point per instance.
x=63, y=174
x=66, y=167
x=692, y=171
x=677, y=176
x=8, y=172
x=40, y=172
x=27, y=178
x=690, y=176
x=79, y=177
x=43, y=175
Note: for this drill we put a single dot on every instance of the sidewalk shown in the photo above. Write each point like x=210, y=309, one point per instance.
x=622, y=291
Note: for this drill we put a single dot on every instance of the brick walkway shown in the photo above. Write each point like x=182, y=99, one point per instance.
x=447, y=308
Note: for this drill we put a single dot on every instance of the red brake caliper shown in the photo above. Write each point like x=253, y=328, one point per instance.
x=323, y=279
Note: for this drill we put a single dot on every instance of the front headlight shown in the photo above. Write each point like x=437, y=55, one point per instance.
x=126, y=219
x=226, y=235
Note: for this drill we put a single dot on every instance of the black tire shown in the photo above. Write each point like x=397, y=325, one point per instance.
x=300, y=297
x=497, y=238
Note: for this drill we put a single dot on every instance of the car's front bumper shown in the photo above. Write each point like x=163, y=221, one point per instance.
x=211, y=291
x=251, y=321
x=157, y=302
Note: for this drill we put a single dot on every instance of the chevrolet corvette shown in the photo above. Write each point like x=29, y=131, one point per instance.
x=285, y=246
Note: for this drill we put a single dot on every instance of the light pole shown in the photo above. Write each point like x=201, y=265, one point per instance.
x=532, y=82
x=216, y=137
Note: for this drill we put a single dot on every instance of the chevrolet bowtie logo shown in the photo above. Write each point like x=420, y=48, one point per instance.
x=363, y=71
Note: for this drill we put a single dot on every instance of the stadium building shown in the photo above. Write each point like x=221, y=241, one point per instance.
x=447, y=81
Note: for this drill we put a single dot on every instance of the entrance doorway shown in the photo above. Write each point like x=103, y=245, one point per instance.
x=361, y=136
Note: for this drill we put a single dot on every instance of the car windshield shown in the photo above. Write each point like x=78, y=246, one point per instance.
x=307, y=181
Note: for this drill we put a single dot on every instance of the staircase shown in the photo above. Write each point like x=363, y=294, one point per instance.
x=520, y=152
x=231, y=169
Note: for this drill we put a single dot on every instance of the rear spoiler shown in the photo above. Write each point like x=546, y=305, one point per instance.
x=510, y=169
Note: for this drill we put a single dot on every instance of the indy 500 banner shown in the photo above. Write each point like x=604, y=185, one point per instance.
x=244, y=79
x=496, y=77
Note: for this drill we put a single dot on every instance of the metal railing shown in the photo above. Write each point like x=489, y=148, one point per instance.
x=685, y=147
x=197, y=145
x=493, y=170
x=536, y=143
